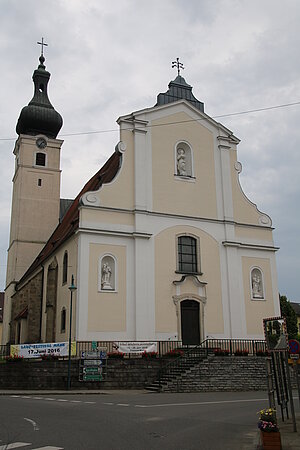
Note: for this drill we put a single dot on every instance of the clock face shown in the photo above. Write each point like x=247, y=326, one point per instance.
x=41, y=143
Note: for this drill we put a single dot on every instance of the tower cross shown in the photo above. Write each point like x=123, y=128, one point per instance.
x=178, y=65
x=43, y=44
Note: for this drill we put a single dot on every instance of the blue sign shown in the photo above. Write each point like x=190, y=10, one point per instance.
x=294, y=346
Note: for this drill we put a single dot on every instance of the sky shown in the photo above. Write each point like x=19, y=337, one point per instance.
x=108, y=59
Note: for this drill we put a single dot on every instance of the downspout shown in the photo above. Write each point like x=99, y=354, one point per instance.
x=41, y=308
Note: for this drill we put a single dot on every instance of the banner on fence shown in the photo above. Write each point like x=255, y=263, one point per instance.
x=135, y=347
x=42, y=349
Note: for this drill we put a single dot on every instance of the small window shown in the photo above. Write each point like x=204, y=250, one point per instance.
x=63, y=320
x=39, y=182
x=257, y=284
x=65, y=268
x=187, y=254
x=40, y=159
x=107, y=274
x=183, y=160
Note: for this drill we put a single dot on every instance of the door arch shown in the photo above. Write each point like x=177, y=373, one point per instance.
x=190, y=322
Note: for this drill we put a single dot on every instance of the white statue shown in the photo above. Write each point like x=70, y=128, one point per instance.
x=181, y=162
x=106, y=276
x=256, y=285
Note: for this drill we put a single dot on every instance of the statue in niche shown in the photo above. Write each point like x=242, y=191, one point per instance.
x=181, y=162
x=106, y=276
x=256, y=285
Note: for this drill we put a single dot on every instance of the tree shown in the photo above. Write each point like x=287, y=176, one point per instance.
x=288, y=312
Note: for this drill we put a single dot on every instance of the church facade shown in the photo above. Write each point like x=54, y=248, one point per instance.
x=162, y=242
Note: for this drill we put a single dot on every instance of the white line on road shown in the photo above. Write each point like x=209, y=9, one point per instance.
x=122, y=404
x=33, y=423
x=38, y=398
x=49, y=448
x=62, y=400
x=50, y=399
x=108, y=403
x=14, y=445
x=25, y=396
x=201, y=403
x=90, y=403
x=75, y=401
x=15, y=396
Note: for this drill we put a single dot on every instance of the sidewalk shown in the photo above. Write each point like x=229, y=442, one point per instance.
x=289, y=439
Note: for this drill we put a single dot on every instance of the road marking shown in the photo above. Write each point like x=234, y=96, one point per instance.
x=90, y=403
x=14, y=445
x=50, y=399
x=33, y=423
x=25, y=396
x=48, y=447
x=62, y=400
x=75, y=401
x=15, y=396
x=108, y=403
x=201, y=403
x=122, y=404
x=38, y=398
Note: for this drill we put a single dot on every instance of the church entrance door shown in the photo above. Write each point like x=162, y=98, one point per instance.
x=190, y=328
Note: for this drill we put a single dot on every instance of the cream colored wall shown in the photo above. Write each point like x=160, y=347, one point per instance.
x=120, y=193
x=165, y=266
x=172, y=195
x=1, y=328
x=96, y=216
x=257, y=310
x=107, y=310
x=243, y=210
x=259, y=234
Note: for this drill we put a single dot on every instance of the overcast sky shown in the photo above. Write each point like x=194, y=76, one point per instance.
x=109, y=58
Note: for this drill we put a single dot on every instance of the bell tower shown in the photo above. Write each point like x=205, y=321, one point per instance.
x=36, y=184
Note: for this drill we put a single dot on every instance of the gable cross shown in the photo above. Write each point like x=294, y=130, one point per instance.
x=43, y=44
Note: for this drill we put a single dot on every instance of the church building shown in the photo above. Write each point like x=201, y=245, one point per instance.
x=162, y=242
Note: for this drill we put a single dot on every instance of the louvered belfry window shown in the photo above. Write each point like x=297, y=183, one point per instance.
x=40, y=159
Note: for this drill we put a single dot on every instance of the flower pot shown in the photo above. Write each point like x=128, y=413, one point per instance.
x=270, y=440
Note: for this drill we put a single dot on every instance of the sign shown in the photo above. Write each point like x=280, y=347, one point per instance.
x=92, y=365
x=92, y=362
x=93, y=355
x=42, y=349
x=276, y=334
x=294, y=346
x=135, y=347
x=294, y=356
x=92, y=377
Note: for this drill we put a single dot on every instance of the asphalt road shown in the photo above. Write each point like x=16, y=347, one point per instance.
x=130, y=421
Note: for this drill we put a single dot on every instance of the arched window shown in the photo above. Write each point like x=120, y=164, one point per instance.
x=183, y=160
x=63, y=318
x=65, y=268
x=107, y=274
x=40, y=159
x=257, y=284
x=188, y=260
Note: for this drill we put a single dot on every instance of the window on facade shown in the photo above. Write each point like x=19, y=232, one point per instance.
x=65, y=268
x=257, y=286
x=40, y=159
x=184, y=160
x=63, y=320
x=187, y=254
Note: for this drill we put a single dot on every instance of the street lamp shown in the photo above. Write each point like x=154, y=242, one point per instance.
x=72, y=288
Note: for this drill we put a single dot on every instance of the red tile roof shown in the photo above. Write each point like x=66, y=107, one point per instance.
x=70, y=222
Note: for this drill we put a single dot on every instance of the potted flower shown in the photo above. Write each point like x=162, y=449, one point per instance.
x=149, y=355
x=115, y=355
x=269, y=432
x=14, y=358
x=175, y=353
x=240, y=352
x=221, y=352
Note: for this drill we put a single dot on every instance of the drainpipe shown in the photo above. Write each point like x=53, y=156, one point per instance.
x=41, y=309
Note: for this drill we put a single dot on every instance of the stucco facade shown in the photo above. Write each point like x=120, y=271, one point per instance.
x=162, y=241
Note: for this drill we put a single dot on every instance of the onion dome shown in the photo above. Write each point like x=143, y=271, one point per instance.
x=39, y=117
